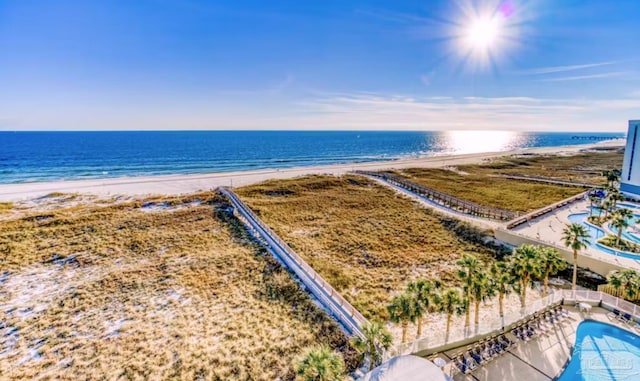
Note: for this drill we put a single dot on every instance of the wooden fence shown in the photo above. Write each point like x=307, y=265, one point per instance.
x=617, y=292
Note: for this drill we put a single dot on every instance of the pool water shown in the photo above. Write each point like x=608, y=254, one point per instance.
x=603, y=352
x=596, y=233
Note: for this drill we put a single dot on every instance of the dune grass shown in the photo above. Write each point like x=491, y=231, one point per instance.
x=498, y=192
x=366, y=240
x=482, y=183
x=117, y=293
x=5, y=207
x=583, y=167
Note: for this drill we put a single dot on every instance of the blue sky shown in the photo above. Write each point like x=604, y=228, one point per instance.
x=553, y=65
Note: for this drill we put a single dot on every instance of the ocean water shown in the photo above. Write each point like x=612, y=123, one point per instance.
x=49, y=156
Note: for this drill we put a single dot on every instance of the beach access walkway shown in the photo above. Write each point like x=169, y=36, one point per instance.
x=432, y=204
x=350, y=319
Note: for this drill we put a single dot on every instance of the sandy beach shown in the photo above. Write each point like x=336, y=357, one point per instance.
x=184, y=184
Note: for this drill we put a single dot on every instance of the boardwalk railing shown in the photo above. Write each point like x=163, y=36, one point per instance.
x=549, y=180
x=437, y=341
x=449, y=201
x=351, y=319
x=547, y=209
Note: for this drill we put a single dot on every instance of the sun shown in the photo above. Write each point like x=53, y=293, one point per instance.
x=483, y=33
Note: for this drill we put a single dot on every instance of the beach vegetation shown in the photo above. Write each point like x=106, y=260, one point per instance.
x=319, y=363
x=452, y=303
x=490, y=190
x=621, y=220
x=375, y=340
x=613, y=242
x=627, y=281
x=576, y=237
x=402, y=311
x=550, y=264
x=5, y=207
x=525, y=268
x=425, y=297
x=503, y=281
x=113, y=292
x=469, y=270
x=363, y=238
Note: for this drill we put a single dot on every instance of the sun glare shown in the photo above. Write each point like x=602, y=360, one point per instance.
x=483, y=32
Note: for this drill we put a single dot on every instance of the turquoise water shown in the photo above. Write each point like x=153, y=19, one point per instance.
x=603, y=352
x=597, y=233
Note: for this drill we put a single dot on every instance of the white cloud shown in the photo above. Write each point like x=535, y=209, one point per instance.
x=566, y=68
x=505, y=113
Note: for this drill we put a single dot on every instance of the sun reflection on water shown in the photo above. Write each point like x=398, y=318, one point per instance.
x=467, y=142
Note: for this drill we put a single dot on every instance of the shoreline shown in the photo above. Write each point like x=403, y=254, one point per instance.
x=178, y=184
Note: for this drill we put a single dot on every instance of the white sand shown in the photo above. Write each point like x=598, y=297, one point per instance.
x=185, y=184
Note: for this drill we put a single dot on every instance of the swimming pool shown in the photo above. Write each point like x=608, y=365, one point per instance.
x=596, y=233
x=603, y=352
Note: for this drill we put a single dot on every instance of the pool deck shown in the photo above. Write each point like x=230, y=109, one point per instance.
x=539, y=359
x=548, y=229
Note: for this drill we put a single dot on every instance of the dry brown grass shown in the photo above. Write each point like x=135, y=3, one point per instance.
x=363, y=238
x=482, y=184
x=498, y=192
x=118, y=293
x=5, y=207
x=554, y=166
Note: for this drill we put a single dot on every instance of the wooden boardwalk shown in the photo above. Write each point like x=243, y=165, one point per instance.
x=334, y=303
x=444, y=199
x=549, y=180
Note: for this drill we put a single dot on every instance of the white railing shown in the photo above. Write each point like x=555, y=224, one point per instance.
x=327, y=295
x=495, y=326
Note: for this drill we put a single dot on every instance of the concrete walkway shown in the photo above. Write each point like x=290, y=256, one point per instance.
x=548, y=229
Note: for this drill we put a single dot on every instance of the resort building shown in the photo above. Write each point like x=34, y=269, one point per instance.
x=630, y=177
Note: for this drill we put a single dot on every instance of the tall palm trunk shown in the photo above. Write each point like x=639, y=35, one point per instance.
x=545, y=284
x=619, y=235
x=575, y=269
x=405, y=325
x=448, y=325
x=419, y=332
x=467, y=313
x=501, y=303
x=477, y=312
x=523, y=293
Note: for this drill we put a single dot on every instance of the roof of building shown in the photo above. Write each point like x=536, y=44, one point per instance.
x=406, y=368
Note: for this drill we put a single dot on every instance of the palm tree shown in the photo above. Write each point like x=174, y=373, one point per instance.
x=452, y=303
x=401, y=310
x=615, y=196
x=613, y=176
x=319, y=364
x=425, y=297
x=550, y=264
x=576, y=237
x=626, y=280
x=376, y=339
x=606, y=205
x=502, y=282
x=468, y=271
x=481, y=289
x=592, y=201
x=525, y=268
x=621, y=221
